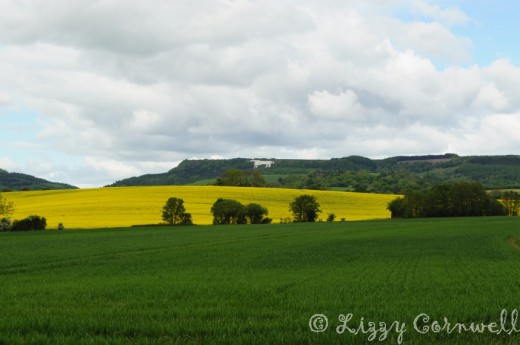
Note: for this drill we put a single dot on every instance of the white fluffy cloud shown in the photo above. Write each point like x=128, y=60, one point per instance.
x=132, y=86
x=7, y=163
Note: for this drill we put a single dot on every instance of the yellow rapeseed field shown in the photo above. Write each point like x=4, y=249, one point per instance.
x=126, y=206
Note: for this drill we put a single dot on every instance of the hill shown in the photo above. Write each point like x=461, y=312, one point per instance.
x=353, y=173
x=17, y=181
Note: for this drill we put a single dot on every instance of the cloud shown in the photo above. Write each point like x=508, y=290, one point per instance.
x=113, y=168
x=7, y=163
x=343, y=105
x=4, y=99
x=449, y=16
x=129, y=87
x=490, y=98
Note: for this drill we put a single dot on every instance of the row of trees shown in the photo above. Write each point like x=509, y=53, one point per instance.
x=229, y=211
x=305, y=208
x=31, y=223
x=457, y=199
x=241, y=178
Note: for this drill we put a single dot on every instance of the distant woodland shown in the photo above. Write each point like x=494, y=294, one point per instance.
x=393, y=175
x=11, y=181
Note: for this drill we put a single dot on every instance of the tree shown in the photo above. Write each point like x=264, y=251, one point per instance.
x=6, y=207
x=511, y=201
x=255, y=213
x=254, y=178
x=397, y=207
x=174, y=212
x=232, y=177
x=305, y=208
x=228, y=211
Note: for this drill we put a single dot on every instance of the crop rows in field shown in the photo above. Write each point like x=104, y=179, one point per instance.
x=258, y=284
x=126, y=206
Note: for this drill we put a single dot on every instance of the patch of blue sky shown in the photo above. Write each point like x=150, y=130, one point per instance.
x=17, y=126
x=492, y=27
x=19, y=141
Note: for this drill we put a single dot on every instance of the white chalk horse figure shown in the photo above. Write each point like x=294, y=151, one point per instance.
x=259, y=163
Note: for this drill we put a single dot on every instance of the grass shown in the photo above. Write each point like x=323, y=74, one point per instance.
x=257, y=284
x=126, y=206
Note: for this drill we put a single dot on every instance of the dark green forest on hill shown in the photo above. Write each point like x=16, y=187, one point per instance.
x=11, y=181
x=353, y=173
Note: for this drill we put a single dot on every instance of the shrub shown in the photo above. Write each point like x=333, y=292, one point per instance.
x=186, y=219
x=31, y=223
x=266, y=220
x=5, y=224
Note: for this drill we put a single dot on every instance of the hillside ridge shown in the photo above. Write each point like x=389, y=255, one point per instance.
x=354, y=173
x=13, y=181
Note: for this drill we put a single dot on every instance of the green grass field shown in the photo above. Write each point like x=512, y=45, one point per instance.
x=257, y=284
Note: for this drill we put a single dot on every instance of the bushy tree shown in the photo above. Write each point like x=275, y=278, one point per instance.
x=228, y=211
x=174, y=212
x=31, y=223
x=305, y=208
x=255, y=214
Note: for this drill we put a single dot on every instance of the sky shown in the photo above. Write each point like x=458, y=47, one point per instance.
x=92, y=92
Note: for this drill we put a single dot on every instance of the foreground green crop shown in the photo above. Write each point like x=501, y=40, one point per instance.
x=258, y=284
